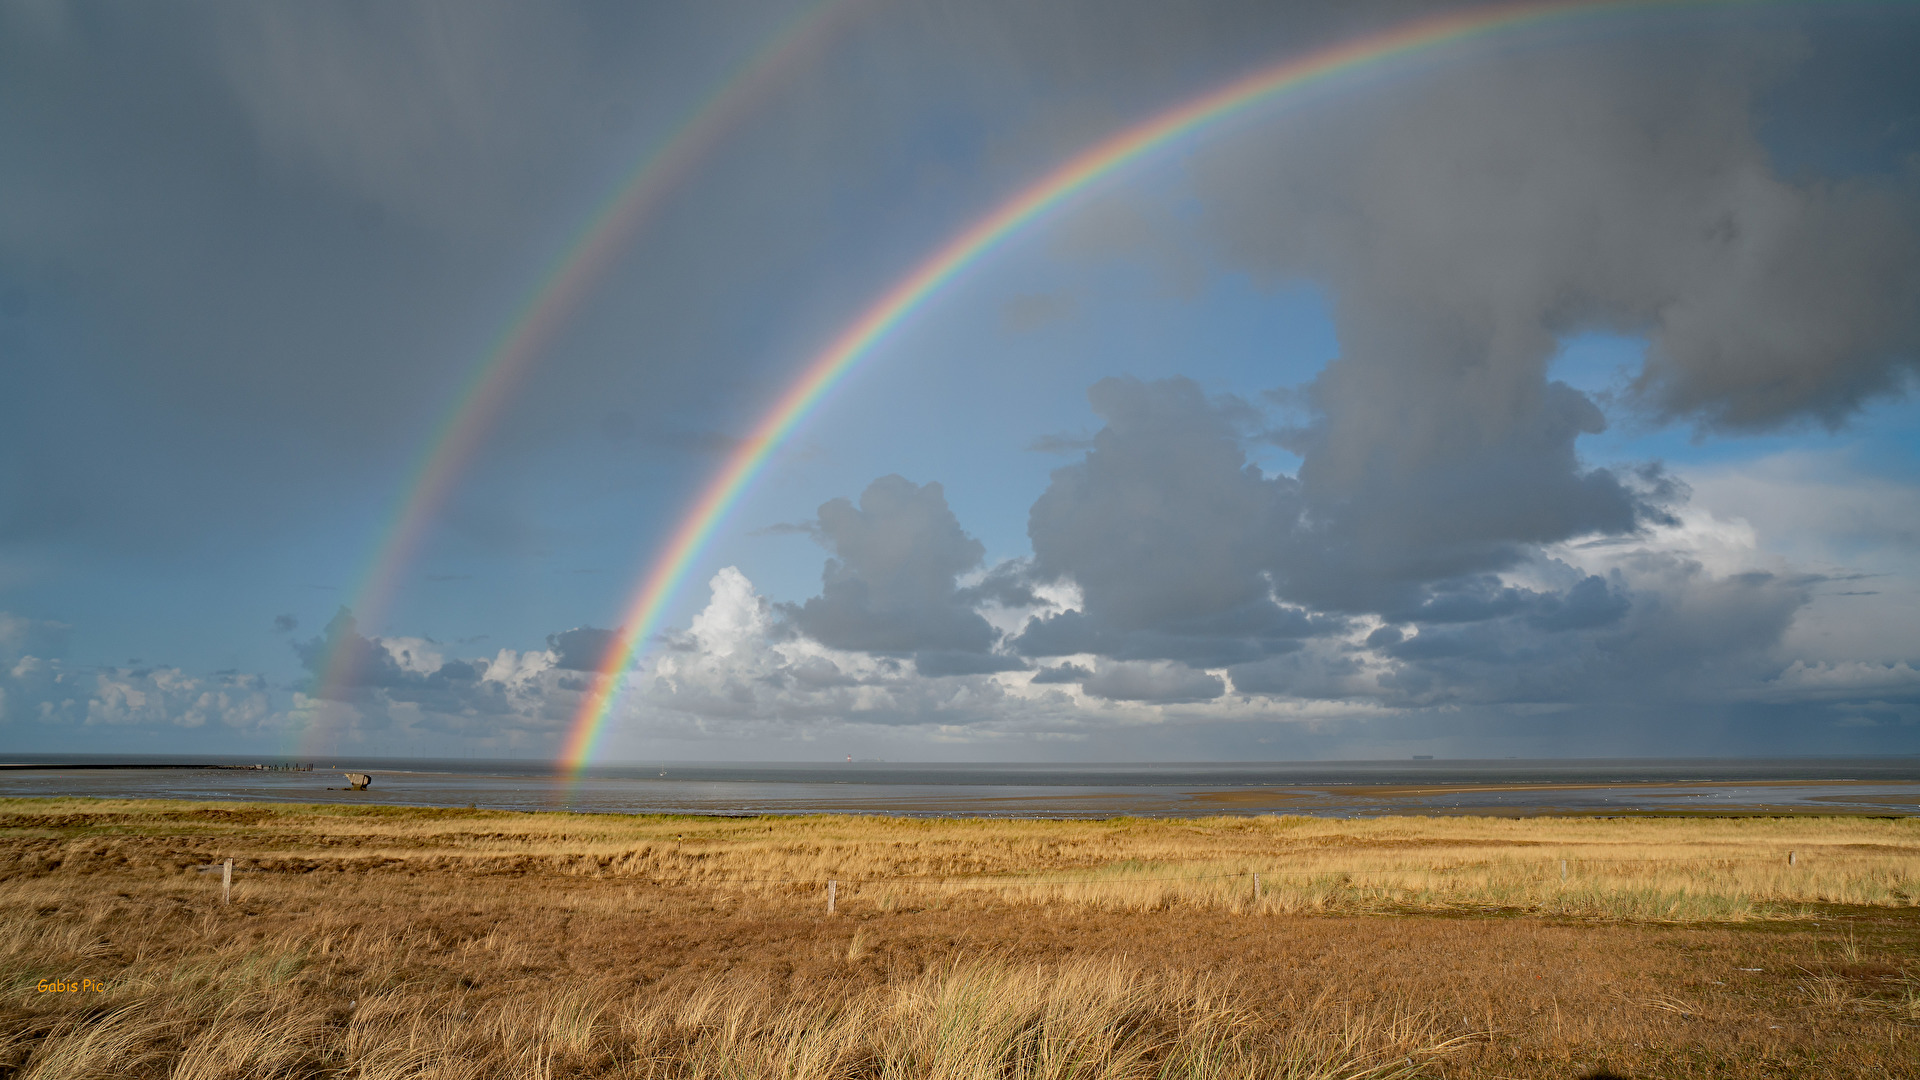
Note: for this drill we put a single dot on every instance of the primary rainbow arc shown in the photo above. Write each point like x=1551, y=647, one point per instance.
x=705, y=516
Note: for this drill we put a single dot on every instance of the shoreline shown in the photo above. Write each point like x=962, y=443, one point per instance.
x=998, y=794
x=1186, y=806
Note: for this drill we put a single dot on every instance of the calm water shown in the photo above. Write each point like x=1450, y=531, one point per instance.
x=1813, y=785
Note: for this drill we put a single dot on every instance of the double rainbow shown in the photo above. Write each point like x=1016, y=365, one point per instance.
x=830, y=365
x=567, y=282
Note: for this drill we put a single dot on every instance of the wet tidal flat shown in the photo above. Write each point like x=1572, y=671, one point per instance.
x=1884, y=787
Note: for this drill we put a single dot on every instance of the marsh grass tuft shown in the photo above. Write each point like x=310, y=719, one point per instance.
x=983, y=1020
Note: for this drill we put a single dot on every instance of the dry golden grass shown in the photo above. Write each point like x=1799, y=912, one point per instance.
x=377, y=942
x=977, y=1020
x=1639, y=868
x=332, y=996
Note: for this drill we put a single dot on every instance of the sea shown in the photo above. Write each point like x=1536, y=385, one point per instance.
x=1876, y=786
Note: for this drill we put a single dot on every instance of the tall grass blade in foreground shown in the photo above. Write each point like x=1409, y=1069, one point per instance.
x=980, y=1020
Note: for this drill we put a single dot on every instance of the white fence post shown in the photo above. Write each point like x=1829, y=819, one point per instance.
x=1256, y=888
x=226, y=882
x=830, y=891
x=1563, y=869
x=1790, y=858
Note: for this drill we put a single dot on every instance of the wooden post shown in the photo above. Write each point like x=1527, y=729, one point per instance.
x=1563, y=869
x=1789, y=858
x=226, y=882
x=1256, y=888
x=830, y=890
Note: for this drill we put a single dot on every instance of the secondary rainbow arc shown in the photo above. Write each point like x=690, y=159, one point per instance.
x=567, y=281
x=697, y=526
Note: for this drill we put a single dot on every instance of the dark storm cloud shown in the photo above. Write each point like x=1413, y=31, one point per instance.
x=1662, y=630
x=1683, y=636
x=300, y=229
x=1185, y=553
x=1065, y=673
x=1319, y=675
x=1463, y=231
x=584, y=648
x=891, y=587
x=230, y=179
x=1444, y=491
x=1236, y=637
x=1163, y=520
x=381, y=674
x=343, y=647
x=1171, y=535
x=819, y=673
x=1589, y=602
x=250, y=226
x=1464, y=228
x=1153, y=683
x=941, y=663
x=285, y=624
x=1464, y=222
x=1008, y=584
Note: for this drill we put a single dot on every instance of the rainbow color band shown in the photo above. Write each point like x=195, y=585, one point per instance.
x=567, y=282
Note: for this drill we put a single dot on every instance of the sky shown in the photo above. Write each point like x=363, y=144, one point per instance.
x=1550, y=392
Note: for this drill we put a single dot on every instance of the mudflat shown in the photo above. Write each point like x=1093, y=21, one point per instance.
x=389, y=941
x=1704, y=797
x=1514, y=788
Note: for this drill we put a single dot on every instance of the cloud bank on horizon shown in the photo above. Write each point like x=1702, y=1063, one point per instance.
x=1613, y=450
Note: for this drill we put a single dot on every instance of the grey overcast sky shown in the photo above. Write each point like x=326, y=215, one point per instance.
x=1549, y=392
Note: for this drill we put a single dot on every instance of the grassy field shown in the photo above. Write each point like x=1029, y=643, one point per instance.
x=390, y=942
